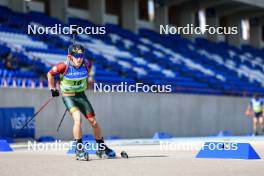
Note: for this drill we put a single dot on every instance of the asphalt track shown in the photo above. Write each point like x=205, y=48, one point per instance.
x=147, y=158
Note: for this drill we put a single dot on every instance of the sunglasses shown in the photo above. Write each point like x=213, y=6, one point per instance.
x=78, y=56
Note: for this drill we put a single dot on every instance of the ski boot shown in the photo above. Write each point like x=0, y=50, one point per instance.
x=107, y=152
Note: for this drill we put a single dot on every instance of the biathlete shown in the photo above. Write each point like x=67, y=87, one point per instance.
x=74, y=74
x=255, y=109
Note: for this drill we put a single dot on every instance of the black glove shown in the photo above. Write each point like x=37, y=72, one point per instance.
x=55, y=92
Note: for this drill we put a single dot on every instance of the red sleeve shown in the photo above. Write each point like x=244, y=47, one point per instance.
x=59, y=68
x=88, y=64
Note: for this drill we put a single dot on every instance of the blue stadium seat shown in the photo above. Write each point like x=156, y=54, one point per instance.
x=198, y=66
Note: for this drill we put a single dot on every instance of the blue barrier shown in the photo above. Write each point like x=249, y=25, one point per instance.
x=162, y=135
x=46, y=139
x=113, y=137
x=13, y=119
x=89, y=147
x=228, y=150
x=88, y=137
x=4, y=146
x=8, y=139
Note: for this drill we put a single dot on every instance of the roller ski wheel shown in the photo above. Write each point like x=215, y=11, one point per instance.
x=99, y=154
x=124, y=154
x=83, y=156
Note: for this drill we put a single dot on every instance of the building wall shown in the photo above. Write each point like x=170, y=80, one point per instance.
x=139, y=115
x=78, y=13
x=3, y=2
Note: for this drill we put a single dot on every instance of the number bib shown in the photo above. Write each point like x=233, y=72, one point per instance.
x=256, y=105
x=74, y=80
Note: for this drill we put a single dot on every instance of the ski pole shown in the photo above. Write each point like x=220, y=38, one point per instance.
x=74, y=33
x=62, y=120
x=40, y=109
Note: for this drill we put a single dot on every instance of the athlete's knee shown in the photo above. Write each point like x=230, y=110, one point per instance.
x=77, y=118
x=77, y=121
x=94, y=123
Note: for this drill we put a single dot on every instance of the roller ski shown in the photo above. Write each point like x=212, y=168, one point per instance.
x=110, y=154
x=81, y=155
x=103, y=151
x=106, y=153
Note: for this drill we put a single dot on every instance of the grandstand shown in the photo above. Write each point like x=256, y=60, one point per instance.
x=191, y=66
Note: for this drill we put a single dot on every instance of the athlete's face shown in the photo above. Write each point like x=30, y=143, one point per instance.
x=256, y=96
x=77, y=59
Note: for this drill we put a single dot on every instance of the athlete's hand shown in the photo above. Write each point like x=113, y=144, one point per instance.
x=55, y=92
x=248, y=113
